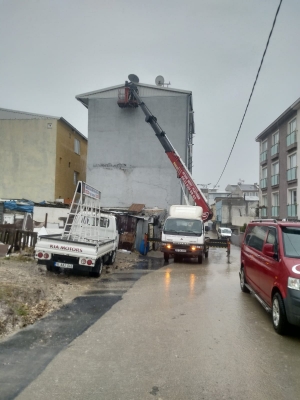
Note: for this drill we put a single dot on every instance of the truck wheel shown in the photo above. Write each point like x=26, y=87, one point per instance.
x=97, y=269
x=166, y=257
x=206, y=254
x=279, y=319
x=112, y=258
x=200, y=259
x=243, y=282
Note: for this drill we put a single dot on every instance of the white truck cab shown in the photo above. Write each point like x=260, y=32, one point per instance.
x=183, y=234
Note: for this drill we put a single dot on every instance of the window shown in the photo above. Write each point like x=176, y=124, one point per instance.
x=263, y=154
x=292, y=196
x=275, y=174
x=275, y=168
x=275, y=204
x=292, y=126
x=264, y=146
x=272, y=236
x=292, y=203
x=292, y=164
x=292, y=135
x=76, y=177
x=264, y=203
x=275, y=138
x=293, y=160
x=264, y=174
x=291, y=241
x=76, y=146
x=256, y=236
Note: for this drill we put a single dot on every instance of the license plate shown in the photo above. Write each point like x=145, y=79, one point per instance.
x=181, y=250
x=63, y=265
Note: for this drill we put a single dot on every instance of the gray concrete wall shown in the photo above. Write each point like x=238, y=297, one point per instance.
x=125, y=160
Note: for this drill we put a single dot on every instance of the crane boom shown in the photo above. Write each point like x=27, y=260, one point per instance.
x=181, y=169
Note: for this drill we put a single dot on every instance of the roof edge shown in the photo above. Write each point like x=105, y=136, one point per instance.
x=137, y=84
x=293, y=107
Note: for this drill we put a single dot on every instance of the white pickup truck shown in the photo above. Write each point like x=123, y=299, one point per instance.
x=89, y=241
x=183, y=234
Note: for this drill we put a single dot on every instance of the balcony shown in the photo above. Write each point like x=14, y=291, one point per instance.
x=292, y=210
x=291, y=140
x=275, y=180
x=263, y=157
x=275, y=211
x=292, y=174
x=264, y=212
x=275, y=150
x=263, y=183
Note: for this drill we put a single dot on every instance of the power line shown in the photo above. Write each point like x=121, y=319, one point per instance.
x=261, y=63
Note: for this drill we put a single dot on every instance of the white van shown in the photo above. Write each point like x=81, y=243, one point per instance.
x=224, y=233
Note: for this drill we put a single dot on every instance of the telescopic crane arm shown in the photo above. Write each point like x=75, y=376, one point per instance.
x=181, y=169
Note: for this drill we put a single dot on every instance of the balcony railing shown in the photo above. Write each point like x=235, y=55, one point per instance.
x=275, y=211
x=292, y=210
x=291, y=138
x=264, y=212
x=274, y=149
x=292, y=174
x=263, y=156
x=275, y=180
x=263, y=183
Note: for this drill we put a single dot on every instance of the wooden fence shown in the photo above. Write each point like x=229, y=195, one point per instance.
x=17, y=238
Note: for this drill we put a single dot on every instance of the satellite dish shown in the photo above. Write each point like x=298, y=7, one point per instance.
x=159, y=80
x=133, y=78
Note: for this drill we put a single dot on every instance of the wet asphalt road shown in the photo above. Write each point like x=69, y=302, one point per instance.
x=176, y=331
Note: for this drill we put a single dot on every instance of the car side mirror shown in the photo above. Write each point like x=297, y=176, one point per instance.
x=269, y=250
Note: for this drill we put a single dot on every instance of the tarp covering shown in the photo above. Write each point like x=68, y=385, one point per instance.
x=25, y=206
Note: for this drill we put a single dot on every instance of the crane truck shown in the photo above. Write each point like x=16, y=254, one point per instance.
x=183, y=234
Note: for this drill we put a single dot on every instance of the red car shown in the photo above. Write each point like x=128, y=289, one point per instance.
x=270, y=269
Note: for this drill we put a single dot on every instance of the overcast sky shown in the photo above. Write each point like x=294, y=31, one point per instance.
x=52, y=50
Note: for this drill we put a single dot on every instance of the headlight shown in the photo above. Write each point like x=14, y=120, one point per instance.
x=294, y=283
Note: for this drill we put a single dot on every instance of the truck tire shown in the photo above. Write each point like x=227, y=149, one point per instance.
x=166, y=257
x=97, y=269
x=206, y=254
x=200, y=259
x=280, y=322
x=112, y=258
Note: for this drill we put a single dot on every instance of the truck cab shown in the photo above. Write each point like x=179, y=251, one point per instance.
x=183, y=234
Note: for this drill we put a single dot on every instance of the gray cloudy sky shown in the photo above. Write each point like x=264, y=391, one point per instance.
x=52, y=50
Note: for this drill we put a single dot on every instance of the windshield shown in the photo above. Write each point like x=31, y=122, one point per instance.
x=226, y=230
x=183, y=226
x=291, y=242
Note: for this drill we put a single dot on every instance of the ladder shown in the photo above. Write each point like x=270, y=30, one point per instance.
x=83, y=221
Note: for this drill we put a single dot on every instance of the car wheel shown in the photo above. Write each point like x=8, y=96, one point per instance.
x=279, y=319
x=243, y=282
x=97, y=269
x=166, y=257
x=200, y=259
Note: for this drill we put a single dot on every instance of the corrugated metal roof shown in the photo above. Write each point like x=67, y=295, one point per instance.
x=7, y=114
x=136, y=208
